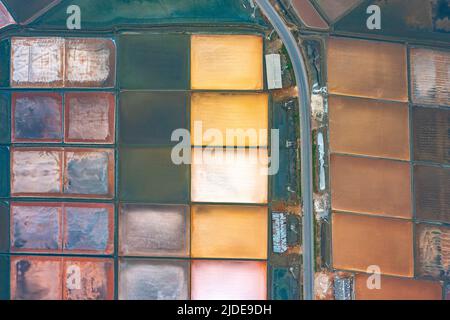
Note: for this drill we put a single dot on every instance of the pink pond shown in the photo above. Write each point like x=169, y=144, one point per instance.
x=228, y=280
x=5, y=17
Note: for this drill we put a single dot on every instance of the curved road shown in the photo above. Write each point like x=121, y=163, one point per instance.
x=306, y=145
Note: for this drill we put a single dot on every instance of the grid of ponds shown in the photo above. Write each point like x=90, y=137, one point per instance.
x=93, y=207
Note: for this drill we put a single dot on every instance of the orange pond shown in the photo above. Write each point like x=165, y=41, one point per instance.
x=393, y=288
x=369, y=127
x=369, y=69
x=226, y=62
x=361, y=241
x=241, y=119
x=229, y=232
x=372, y=186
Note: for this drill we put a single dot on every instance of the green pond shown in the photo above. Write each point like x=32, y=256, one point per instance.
x=106, y=14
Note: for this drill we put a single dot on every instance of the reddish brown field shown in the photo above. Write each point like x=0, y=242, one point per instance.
x=432, y=250
x=369, y=127
x=88, y=279
x=335, y=9
x=393, y=288
x=432, y=193
x=431, y=134
x=36, y=278
x=56, y=278
x=362, y=241
x=370, y=69
x=372, y=186
x=308, y=14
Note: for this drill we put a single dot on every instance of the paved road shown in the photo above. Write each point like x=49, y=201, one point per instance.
x=306, y=145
